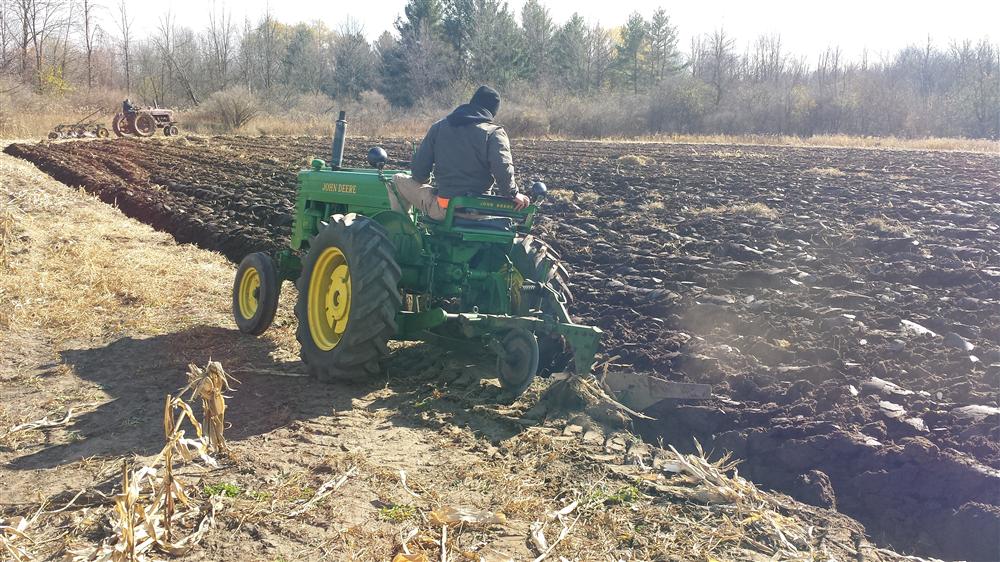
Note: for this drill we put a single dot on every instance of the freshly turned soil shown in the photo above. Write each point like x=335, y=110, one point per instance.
x=786, y=277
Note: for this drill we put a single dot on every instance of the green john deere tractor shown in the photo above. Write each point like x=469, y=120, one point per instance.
x=367, y=274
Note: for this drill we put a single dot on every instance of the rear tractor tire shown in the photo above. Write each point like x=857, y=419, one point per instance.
x=144, y=125
x=255, y=293
x=348, y=299
x=120, y=125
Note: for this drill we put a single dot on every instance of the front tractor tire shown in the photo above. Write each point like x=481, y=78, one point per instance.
x=255, y=293
x=348, y=299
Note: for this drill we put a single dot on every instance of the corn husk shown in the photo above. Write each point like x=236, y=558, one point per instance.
x=208, y=384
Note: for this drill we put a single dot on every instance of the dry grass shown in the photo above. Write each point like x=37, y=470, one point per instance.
x=79, y=276
x=315, y=115
x=635, y=160
x=759, y=210
x=819, y=141
x=827, y=172
x=563, y=195
x=882, y=225
x=737, y=153
x=6, y=236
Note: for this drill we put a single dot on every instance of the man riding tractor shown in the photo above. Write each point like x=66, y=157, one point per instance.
x=468, y=152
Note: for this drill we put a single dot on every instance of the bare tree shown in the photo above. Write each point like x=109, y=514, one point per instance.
x=423, y=51
x=63, y=46
x=600, y=57
x=90, y=30
x=244, y=57
x=6, y=16
x=767, y=61
x=22, y=11
x=39, y=19
x=167, y=44
x=221, y=34
x=269, y=44
x=719, y=61
x=830, y=66
x=354, y=61
x=125, y=28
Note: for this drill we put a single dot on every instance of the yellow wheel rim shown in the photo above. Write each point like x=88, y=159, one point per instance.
x=249, y=292
x=329, y=305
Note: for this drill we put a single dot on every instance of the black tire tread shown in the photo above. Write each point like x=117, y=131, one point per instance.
x=270, y=287
x=376, y=300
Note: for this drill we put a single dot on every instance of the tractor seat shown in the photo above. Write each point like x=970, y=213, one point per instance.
x=491, y=223
x=502, y=224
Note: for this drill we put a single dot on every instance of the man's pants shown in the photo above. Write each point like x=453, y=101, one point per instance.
x=417, y=194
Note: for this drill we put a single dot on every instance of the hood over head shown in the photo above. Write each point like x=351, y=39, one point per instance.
x=482, y=108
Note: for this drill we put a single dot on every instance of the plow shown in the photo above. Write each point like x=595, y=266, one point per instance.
x=81, y=129
x=367, y=274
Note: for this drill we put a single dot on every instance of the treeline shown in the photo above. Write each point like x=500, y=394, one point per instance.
x=570, y=77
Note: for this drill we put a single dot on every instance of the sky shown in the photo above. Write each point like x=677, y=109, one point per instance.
x=806, y=27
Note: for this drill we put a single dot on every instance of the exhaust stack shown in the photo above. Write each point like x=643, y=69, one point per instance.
x=338, y=141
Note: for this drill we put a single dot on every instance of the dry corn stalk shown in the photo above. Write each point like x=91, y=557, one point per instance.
x=209, y=384
x=12, y=537
x=146, y=509
x=537, y=531
x=328, y=487
x=6, y=234
x=43, y=423
x=140, y=520
x=758, y=515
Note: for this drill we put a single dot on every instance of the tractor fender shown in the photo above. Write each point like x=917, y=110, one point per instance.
x=401, y=230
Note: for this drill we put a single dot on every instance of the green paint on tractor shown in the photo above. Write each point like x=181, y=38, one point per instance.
x=476, y=275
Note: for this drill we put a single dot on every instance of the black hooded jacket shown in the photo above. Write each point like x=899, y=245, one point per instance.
x=469, y=114
x=467, y=152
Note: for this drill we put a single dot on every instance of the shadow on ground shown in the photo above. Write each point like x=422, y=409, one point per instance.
x=138, y=374
x=436, y=385
x=428, y=386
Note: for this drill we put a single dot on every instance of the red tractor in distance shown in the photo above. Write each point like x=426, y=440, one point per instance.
x=143, y=121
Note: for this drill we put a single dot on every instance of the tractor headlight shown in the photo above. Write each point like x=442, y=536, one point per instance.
x=377, y=157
